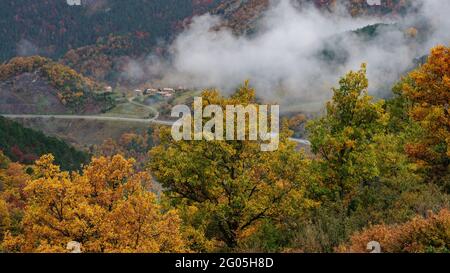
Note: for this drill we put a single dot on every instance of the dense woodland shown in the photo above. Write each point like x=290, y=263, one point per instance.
x=377, y=170
x=25, y=145
x=52, y=27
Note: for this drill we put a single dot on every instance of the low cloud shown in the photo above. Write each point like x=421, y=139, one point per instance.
x=26, y=48
x=286, y=59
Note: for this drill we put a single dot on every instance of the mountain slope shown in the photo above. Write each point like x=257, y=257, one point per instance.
x=39, y=85
x=26, y=145
x=52, y=27
x=242, y=15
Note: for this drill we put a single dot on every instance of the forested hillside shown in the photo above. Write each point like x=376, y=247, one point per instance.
x=242, y=15
x=25, y=145
x=52, y=27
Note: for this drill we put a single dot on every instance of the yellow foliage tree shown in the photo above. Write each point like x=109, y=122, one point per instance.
x=225, y=189
x=12, y=199
x=108, y=208
x=5, y=221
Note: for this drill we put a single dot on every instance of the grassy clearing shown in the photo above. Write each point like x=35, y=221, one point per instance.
x=185, y=96
x=129, y=110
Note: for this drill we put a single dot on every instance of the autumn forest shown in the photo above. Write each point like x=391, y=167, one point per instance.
x=87, y=156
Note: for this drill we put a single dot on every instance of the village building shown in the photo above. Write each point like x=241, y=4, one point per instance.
x=138, y=93
x=166, y=89
x=180, y=89
x=149, y=91
x=108, y=89
x=165, y=94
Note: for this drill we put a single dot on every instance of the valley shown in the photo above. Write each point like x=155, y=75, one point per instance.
x=358, y=92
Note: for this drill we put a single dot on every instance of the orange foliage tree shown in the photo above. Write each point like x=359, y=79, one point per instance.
x=428, y=89
x=13, y=178
x=417, y=236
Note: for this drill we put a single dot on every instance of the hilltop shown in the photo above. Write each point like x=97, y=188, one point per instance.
x=39, y=85
x=242, y=15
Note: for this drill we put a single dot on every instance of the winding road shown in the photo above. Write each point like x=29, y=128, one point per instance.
x=153, y=120
x=82, y=117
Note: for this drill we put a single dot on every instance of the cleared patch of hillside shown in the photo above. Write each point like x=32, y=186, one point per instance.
x=38, y=85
